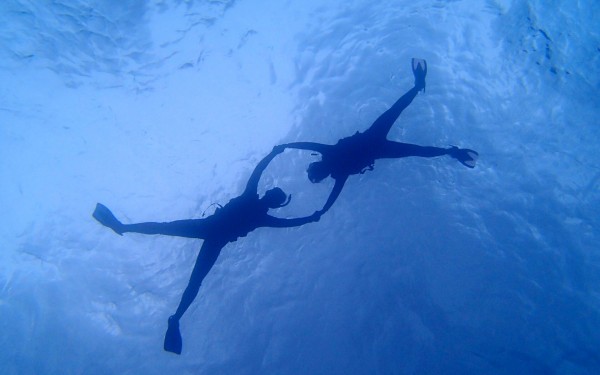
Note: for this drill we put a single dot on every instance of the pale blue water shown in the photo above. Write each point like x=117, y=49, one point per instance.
x=160, y=108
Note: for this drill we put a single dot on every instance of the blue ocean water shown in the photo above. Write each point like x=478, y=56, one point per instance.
x=161, y=108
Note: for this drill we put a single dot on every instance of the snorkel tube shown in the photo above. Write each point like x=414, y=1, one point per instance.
x=287, y=201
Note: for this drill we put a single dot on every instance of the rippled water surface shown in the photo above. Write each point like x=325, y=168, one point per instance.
x=161, y=108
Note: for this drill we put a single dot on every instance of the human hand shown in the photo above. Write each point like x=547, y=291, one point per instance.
x=278, y=149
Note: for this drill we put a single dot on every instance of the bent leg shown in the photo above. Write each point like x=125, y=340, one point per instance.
x=381, y=127
x=392, y=149
x=182, y=228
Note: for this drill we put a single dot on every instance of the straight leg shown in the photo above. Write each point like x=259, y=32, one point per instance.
x=392, y=149
x=206, y=259
x=197, y=228
x=381, y=127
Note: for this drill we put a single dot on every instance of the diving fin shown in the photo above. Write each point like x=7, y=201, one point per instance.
x=465, y=156
x=173, y=342
x=419, y=68
x=472, y=161
x=106, y=218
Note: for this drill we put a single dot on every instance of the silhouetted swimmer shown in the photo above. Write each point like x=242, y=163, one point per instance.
x=236, y=219
x=357, y=154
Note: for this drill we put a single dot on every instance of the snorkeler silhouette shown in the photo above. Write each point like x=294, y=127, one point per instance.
x=357, y=153
x=236, y=219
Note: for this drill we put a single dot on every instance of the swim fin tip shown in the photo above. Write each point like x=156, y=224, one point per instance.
x=465, y=156
x=471, y=161
x=106, y=218
x=419, y=69
x=173, y=342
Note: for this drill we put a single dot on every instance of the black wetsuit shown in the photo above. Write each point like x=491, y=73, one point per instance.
x=236, y=219
x=357, y=153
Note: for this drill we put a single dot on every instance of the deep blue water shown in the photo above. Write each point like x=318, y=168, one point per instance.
x=161, y=108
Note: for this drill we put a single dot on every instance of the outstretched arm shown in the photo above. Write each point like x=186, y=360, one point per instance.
x=335, y=193
x=276, y=222
x=311, y=146
x=252, y=185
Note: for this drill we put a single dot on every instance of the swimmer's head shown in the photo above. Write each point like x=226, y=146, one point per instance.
x=275, y=198
x=317, y=171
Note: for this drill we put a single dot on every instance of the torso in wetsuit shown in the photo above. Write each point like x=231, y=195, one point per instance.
x=239, y=217
x=352, y=155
